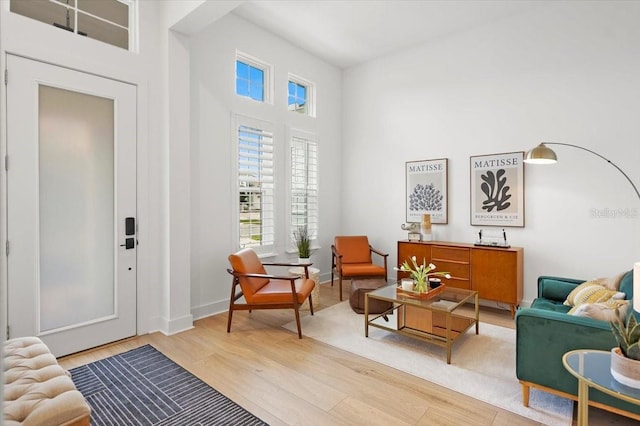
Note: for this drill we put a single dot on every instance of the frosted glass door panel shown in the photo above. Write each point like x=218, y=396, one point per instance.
x=76, y=204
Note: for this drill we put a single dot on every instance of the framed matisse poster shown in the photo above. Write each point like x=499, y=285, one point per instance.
x=426, y=186
x=497, y=189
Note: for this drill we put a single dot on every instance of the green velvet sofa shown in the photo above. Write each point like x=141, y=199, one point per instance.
x=545, y=332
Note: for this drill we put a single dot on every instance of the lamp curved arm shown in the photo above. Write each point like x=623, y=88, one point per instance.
x=598, y=155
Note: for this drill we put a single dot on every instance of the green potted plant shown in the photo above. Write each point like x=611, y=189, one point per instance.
x=625, y=358
x=303, y=243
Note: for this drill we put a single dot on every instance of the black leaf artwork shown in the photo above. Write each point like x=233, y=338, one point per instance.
x=496, y=191
x=425, y=197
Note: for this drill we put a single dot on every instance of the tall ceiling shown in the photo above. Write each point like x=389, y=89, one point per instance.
x=347, y=33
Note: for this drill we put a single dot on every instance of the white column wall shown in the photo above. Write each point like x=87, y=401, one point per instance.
x=563, y=71
x=213, y=101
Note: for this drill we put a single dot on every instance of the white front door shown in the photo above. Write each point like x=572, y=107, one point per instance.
x=71, y=206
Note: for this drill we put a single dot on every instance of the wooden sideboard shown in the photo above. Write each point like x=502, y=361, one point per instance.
x=495, y=273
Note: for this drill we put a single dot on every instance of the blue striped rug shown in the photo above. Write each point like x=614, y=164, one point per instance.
x=143, y=387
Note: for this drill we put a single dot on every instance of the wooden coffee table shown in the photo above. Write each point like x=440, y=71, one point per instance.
x=446, y=323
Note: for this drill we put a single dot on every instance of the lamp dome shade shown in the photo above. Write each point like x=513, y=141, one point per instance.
x=541, y=154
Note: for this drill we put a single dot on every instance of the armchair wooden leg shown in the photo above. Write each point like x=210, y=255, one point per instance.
x=298, y=320
x=231, y=300
x=229, y=315
x=332, y=277
x=340, y=281
x=310, y=304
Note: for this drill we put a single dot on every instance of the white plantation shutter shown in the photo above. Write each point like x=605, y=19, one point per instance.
x=304, y=183
x=255, y=185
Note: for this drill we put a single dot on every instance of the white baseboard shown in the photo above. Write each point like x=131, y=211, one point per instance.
x=209, y=309
x=173, y=326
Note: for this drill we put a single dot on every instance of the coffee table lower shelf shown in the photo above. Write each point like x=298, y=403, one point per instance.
x=443, y=336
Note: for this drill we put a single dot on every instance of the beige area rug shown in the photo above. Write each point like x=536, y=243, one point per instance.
x=482, y=366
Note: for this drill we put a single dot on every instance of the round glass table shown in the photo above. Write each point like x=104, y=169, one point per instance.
x=593, y=369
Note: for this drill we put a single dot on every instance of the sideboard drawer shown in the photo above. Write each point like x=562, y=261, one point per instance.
x=458, y=283
x=457, y=270
x=455, y=254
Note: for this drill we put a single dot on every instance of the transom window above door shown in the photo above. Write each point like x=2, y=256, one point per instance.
x=109, y=21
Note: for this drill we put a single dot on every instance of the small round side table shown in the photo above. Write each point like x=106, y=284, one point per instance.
x=592, y=368
x=314, y=274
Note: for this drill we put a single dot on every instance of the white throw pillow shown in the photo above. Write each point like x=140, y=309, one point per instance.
x=602, y=311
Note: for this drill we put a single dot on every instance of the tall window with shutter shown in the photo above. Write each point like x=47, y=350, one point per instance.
x=304, y=182
x=255, y=184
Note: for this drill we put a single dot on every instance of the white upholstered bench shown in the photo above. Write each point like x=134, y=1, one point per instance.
x=37, y=391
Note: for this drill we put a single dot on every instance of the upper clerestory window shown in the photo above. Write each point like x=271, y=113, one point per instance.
x=301, y=96
x=253, y=78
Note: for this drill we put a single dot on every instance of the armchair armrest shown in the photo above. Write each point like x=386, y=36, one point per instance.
x=267, y=276
x=378, y=252
x=287, y=264
x=383, y=255
x=556, y=288
x=293, y=265
x=336, y=257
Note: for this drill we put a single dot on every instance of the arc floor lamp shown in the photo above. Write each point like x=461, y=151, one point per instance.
x=542, y=154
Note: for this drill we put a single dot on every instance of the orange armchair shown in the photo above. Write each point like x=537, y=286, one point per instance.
x=351, y=258
x=264, y=291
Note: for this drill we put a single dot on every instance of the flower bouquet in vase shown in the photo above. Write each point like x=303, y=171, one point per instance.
x=420, y=274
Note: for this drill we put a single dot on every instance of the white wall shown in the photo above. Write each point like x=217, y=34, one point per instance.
x=213, y=101
x=565, y=72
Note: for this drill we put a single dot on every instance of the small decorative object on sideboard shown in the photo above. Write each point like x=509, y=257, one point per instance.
x=420, y=273
x=625, y=359
x=425, y=228
x=414, y=231
x=492, y=239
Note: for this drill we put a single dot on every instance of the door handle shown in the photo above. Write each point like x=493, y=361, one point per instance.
x=129, y=243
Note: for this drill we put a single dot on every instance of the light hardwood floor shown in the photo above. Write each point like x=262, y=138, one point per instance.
x=288, y=381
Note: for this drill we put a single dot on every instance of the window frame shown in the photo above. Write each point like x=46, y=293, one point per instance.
x=266, y=68
x=268, y=128
x=311, y=94
x=314, y=231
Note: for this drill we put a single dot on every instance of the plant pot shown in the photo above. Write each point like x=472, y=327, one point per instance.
x=304, y=260
x=625, y=370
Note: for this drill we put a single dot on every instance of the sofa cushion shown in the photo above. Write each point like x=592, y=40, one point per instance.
x=602, y=311
x=592, y=292
x=612, y=283
x=550, y=305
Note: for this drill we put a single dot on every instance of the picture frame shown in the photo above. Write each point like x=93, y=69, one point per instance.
x=427, y=184
x=497, y=189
